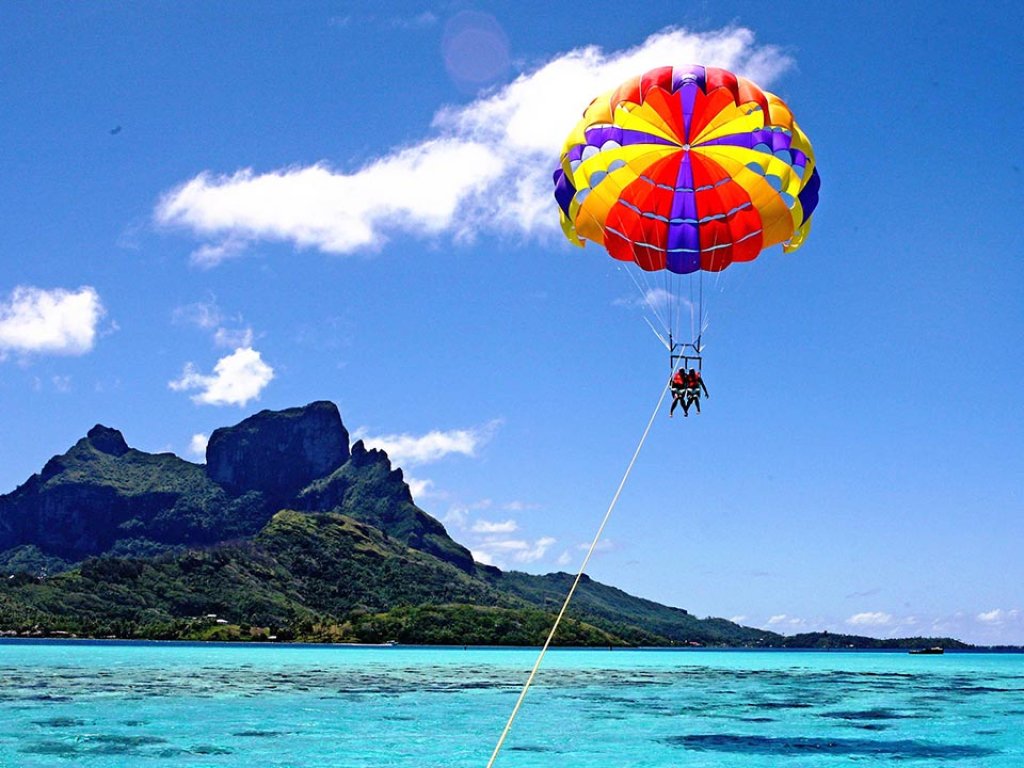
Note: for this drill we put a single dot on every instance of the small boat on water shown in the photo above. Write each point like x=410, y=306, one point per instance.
x=934, y=650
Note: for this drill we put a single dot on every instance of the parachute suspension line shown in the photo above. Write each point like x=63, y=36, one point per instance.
x=645, y=295
x=701, y=319
x=667, y=342
x=692, y=329
x=649, y=298
x=576, y=581
x=677, y=302
x=669, y=308
x=718, y=279
x=672, y=296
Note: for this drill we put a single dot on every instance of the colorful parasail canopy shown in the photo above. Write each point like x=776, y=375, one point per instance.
x=687, y=168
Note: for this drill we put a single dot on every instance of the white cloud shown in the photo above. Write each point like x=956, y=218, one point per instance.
x=565, y=558
x=870, y=619
x=785, y=622
x=536, y=551
x=486, y=526
x=420, y=489
x=488, y=169
x=418, y=190
x=236, y=379
x=435, y=445
x=491, y=542
x=501, y=552
x=197, y=445
x=485, y=557
x=998, y=626
x=61, y=322
x=998, y=616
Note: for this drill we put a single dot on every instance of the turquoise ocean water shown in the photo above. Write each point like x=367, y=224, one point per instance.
x=158, y=704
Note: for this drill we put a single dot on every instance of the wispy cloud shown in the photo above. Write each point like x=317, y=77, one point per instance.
x=212, y=254
x=486, y=526
x=865, y=593
x=236, y=379
x=233, y=338
x=487, y=168
x=58, y=321
x=201, y=314
x=654, y=299
x=998, y=616
x=422, y=20
x=519, y=506
x=604, y=545
x=782, y=622
x=433, y=446
x=492, y=542
x=456, y=517
x=998, y=626
x=870, y=619
x=228, y=332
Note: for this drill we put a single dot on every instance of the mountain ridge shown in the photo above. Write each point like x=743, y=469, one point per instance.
x=286, y=531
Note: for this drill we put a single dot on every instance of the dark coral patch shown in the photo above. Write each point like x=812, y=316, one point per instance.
x=789, y=746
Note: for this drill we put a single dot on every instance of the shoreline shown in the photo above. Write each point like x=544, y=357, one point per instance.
x=8, y=640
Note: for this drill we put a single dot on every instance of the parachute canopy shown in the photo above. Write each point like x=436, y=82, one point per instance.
x=686, y=169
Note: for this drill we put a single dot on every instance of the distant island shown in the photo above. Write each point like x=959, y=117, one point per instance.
x=289, y=533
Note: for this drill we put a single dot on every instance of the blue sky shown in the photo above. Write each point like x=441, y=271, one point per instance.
x=214, y=209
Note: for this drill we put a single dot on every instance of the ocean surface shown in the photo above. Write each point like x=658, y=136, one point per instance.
x=167, y=704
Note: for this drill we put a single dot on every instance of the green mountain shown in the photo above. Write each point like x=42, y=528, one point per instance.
x=285, y=532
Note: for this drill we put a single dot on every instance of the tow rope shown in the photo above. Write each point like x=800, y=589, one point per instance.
x=572, y=589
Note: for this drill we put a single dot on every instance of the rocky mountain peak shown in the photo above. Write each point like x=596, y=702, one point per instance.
x=278, y=452
x=364, y=457
x=107, y=440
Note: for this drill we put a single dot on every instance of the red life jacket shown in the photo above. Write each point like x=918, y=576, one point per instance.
x=693, y=380
x=677, y=379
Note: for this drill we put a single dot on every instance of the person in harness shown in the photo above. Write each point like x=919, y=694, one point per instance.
x=678, y=387
x=694, y=385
